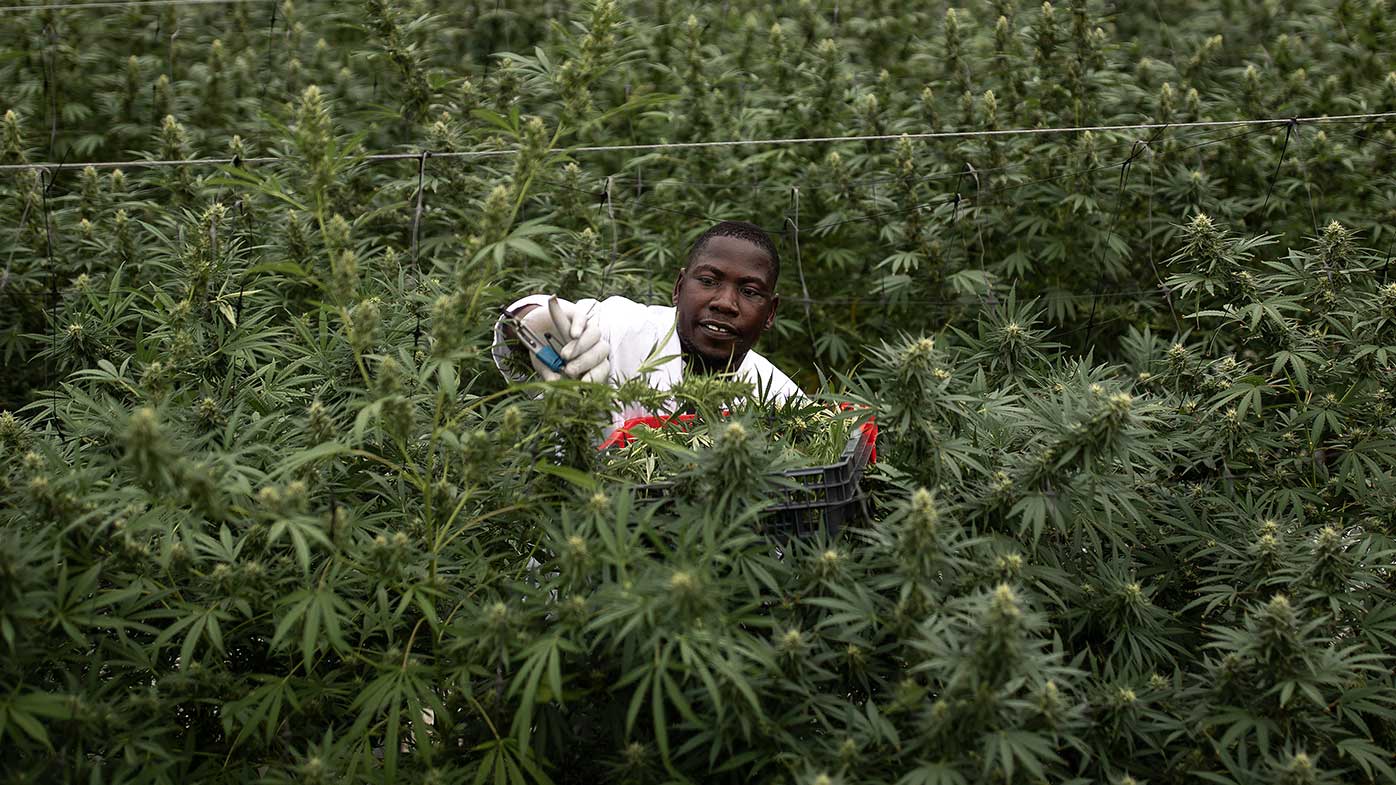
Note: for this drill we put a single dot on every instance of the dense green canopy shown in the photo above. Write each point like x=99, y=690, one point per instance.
x=269, y=513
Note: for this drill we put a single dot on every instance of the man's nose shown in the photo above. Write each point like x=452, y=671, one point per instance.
x=725, y=299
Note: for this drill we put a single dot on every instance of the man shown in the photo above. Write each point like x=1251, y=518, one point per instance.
x=724, y=298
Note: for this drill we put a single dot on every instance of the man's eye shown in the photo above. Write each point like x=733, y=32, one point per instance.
x=752, y=293
x=706, y=280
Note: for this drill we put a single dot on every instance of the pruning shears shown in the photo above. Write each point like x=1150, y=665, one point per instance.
x=545, y=348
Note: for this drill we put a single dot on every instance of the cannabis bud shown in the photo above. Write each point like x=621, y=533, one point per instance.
x=448, y=324
x=145, y=442
x=1204, y=241
x=319, y=424
x=476, y=447
x=270, y=498
x=1120, y=403
x=1298, y=770
x=599, y=503
x=13, y=434
x=790, y=642
x=1004, y=603
x=208, y=411
x=1010, y=564
x=683, y=583
x=498, y=615
x=827, y=563
x=344, y=275
x=364, y=320
x=577, y=549
x=511, y=423
x=919, y=354
x=735, y=433
x=1049, y=701
x=1387, y=295
x=923, y=509
x=12, y=139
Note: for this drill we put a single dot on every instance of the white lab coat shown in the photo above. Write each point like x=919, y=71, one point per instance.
x=639, y=332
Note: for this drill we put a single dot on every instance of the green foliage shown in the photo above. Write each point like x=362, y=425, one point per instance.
x=269, y=513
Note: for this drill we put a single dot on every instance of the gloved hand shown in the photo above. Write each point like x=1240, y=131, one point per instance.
x=586, y=353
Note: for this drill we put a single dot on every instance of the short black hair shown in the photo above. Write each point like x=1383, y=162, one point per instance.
x=742, y=230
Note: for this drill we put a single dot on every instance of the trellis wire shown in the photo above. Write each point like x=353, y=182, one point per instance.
x=1153, y=260
x=1275, y=176
x=870, y=180
x=979, y=231
x=120, y=4
x=1124, y=293
x=266, y=66
x=615, y=237
x=1121, y=294
x=53, y=294
x=1309, y=192
x=800, y=266
x=622, y=148
x=855, y=300
x=1359, y=135
x=417, y=210
x=1137, y=150
x=999, y=190
x=1291, y=123
x=995, y=192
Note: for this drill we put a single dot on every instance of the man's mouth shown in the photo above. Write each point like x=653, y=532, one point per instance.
x=717, y=330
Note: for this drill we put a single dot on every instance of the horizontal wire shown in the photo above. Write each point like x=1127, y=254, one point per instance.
x=1359, y=135
x=121, y=4
x=895, y=300
x=822, y=227
x=1009, y=187
x=892, y=299
x=983, y=133
x=992, y=191
x=659, y=181
x=996, y=191
x=622, y=148
x=636, y=206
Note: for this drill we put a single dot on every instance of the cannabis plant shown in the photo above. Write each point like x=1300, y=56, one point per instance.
x=270, y=513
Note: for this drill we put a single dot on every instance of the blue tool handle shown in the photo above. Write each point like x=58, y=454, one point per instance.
x=549, y=357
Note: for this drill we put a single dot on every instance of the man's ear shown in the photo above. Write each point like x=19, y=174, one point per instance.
x=678, y=281
x=771, y=317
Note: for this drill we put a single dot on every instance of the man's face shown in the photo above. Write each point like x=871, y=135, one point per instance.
x=725, y=299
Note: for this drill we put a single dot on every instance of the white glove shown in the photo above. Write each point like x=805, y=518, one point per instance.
x=586, y=353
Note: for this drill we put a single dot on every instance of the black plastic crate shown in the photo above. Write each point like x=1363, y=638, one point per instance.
x=826, y=497
x=823, y=498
